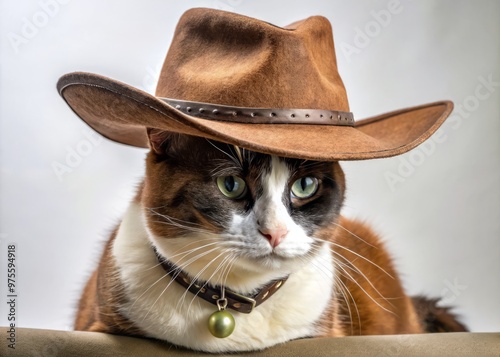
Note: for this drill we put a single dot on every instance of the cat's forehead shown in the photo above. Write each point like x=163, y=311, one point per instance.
x=232, y=155
x=204, y=154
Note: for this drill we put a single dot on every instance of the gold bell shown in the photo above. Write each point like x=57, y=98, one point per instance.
x=221, y=324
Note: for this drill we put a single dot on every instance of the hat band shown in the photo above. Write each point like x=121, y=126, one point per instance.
x=262, y=115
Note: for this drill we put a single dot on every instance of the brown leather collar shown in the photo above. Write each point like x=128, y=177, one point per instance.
x=235, y=301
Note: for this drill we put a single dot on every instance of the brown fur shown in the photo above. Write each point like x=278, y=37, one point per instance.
x=98, y=308
x=362, y=310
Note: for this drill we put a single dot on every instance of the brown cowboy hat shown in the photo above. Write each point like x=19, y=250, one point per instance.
x=245, y=82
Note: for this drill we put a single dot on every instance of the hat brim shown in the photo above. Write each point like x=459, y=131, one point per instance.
x=122, y=113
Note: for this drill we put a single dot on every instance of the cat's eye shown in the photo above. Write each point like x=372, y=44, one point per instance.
x=305, y=187
x=232, y=186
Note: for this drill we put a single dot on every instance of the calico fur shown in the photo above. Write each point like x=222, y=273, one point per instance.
x=341, y=280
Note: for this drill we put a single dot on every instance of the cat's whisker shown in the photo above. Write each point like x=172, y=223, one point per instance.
x=351, y=265
x=178, y=269
x=170, y=222
x=238, y=153
x=328, y=265
x=226, y=258
x=353, y=234
x=182, y=265
x=197, y=276
x=223, y=171
x=158, y=298
x=235, y=160
x=326, y=268
x=186, y=252
x=186, y=228
x=184, y=225
x=346, y=264
x=152, y=267
x=225, y=168
x=356, y=254
x=343, y=289
x=171, y=271
x=225, y=273
x=183, y=252
x=308, y=166
x=225, y=263
x=150, y=287
x=341, y=267
x=170, y=218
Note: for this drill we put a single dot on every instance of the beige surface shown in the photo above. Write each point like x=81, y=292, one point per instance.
x=35, y=342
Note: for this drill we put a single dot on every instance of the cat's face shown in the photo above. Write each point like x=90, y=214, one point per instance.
x=220, y=211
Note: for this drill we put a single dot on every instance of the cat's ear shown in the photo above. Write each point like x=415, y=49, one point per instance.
x=163, y=142
x=158, y=140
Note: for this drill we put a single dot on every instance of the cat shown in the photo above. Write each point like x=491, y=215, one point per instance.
x=231, y=220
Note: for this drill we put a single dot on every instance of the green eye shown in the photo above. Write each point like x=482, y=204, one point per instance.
x=305, y=187
x=232, y=186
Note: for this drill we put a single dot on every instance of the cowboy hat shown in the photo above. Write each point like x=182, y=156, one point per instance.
x=238, y=80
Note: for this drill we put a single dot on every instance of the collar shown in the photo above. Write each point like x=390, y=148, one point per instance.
x=238, y=302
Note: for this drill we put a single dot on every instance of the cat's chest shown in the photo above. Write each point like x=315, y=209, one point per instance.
x=164, y=310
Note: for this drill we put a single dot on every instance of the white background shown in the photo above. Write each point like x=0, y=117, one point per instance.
x=440, y=217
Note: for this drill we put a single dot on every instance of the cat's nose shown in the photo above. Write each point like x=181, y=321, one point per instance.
x=274, y=236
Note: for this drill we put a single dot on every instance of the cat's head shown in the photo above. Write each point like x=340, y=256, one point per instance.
x=221, y=212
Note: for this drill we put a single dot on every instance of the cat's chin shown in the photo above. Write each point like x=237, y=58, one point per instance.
x=271, y=262
x=282, y=261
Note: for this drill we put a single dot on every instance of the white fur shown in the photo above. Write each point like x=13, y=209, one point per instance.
x=164, y=310
x=269, y=208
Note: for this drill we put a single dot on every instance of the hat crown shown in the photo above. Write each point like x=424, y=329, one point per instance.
x=225, y=58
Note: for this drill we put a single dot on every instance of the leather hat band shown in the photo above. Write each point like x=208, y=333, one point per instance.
x=262, y=115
